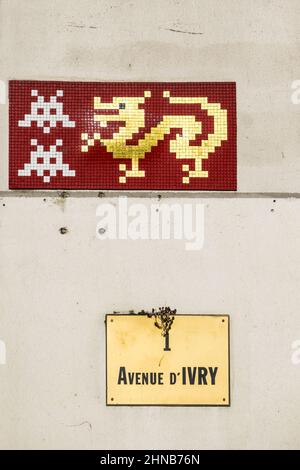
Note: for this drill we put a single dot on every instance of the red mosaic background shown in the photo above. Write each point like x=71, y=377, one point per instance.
x=97, y=168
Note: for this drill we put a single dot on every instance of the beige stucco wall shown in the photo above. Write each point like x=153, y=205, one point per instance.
x=56, y=289
x=255, y=43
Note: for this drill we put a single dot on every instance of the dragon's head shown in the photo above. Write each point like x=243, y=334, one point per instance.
x=122, y=109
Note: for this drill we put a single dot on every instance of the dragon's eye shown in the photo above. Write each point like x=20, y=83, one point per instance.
x=122, y=106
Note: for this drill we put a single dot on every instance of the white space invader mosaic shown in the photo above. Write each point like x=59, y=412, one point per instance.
x=46, y=163
x=46, y=113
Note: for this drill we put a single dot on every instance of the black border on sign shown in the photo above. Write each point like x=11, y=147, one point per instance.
x=166, y=404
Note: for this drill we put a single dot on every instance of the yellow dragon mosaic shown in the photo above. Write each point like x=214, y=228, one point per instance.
x=133, y=120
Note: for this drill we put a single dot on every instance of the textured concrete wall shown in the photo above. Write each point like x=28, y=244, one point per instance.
x=56, y=289
x=253, y=43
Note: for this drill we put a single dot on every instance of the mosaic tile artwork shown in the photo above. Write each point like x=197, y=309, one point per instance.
x=122, y=135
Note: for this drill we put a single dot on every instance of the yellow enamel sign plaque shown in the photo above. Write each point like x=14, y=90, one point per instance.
x=188, y=366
